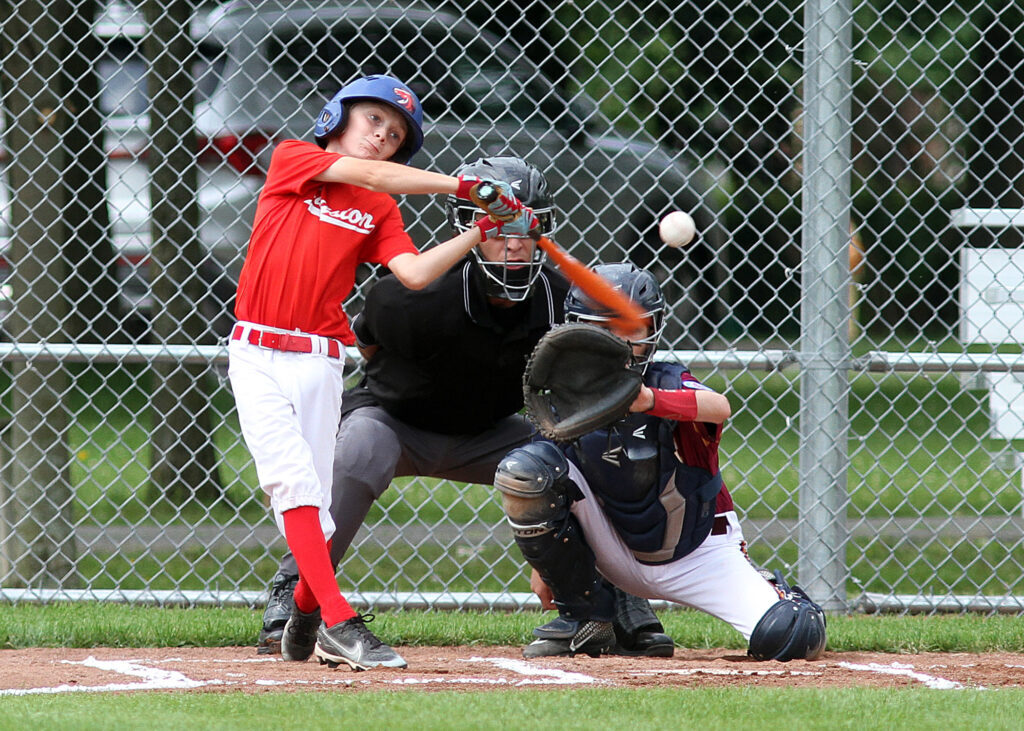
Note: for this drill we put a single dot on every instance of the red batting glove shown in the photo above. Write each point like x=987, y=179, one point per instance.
x=524, y=226
x=489, y=228
x=506, y=207
x=466, y=185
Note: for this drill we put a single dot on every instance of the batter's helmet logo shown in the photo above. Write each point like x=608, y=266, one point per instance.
x=405, y=99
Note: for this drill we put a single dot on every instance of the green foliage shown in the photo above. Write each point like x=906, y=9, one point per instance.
x=914, y=447
x=723, y=83
x=917, y=41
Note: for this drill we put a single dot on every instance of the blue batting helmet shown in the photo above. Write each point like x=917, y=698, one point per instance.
x=385, y=89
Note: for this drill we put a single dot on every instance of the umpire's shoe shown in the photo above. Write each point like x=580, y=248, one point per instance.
x=299, y=635
x=275, y=616
x=350, y=642
x=563, y=637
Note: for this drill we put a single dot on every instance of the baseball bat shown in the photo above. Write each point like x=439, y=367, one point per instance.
x=629, y=317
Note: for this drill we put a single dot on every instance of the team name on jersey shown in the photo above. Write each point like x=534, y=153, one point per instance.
x=351, y=218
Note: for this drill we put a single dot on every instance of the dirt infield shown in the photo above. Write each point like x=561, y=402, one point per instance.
x=51, y=671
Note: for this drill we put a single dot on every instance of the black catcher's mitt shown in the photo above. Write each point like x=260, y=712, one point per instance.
x=578, y=380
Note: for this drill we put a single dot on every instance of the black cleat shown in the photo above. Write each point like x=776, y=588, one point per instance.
x=277, y=613
x=564, y=637
x=299, y=635
x=644, y=644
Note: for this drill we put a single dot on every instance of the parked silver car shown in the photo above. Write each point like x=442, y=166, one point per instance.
x=265, y=71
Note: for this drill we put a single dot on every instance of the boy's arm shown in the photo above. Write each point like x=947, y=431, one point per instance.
x=416, y=271
x=683, y=405
x=387, y=177
x=395, y=179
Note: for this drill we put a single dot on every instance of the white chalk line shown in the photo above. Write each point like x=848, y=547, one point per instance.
x=726, y=671
x=908, y=671
x=153, y=679
x=548, y=676
x=160, y=679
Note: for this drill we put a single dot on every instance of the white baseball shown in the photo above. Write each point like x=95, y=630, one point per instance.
x=677, y=228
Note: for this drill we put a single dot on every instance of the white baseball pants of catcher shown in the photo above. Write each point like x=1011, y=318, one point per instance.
x=289, y=405
x=717, y=577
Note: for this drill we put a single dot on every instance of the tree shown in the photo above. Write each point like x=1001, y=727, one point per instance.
x=91, y=277
x=40, y=549
x=184, y=463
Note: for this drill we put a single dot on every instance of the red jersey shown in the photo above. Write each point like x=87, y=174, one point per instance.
x=307, y=240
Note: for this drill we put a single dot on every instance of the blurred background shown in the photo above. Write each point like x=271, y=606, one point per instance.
x=856, y=287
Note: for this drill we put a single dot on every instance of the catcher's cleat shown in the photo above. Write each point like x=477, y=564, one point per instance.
x=350, y=642
x=564, y=637
x=299, y=635
x=644, y=644
x=276, y=614
x=638, y=631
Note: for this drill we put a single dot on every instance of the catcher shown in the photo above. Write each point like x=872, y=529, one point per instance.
x=639, y=499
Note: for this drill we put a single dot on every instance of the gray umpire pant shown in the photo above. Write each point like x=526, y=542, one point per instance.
x=373, y=448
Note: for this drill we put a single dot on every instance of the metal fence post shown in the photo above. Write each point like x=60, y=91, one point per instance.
x=825, y=348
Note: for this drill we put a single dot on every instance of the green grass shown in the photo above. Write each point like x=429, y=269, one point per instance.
x=91, y=624
x=709, y=708
x=917, y=447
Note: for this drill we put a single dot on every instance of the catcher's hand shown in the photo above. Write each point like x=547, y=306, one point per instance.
x=578, y=380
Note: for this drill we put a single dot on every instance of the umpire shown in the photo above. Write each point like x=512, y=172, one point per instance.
x=443, y=387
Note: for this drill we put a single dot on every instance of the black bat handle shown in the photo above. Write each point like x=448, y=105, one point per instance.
x=487, y=192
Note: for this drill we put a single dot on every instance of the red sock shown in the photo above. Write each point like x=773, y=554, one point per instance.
x=317, y=585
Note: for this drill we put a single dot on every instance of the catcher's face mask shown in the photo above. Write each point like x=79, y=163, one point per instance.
x=504, y=277
x=510, y=266
x=641, y=287
x=643, y=342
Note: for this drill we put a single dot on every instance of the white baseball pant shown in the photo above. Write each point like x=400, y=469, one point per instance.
x=716, y=577
x=289, y=405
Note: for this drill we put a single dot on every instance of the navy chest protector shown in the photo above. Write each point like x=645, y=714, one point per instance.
x=662, y=508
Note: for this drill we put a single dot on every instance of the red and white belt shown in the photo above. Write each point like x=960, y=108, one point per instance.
x=289, y=342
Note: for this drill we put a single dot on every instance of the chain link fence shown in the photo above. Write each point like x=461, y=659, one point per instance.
x=857, y=288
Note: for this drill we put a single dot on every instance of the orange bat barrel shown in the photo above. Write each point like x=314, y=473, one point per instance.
x=629, y=315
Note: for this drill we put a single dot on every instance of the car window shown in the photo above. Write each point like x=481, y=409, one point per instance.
x=122, y=76
x=460, y=78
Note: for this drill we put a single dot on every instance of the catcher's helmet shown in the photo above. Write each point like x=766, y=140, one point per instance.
x=637, y=284
x=385, y=89
x=529, y=186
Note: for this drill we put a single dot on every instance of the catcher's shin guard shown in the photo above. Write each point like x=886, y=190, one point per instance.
x=536, y=494
x=792, y=629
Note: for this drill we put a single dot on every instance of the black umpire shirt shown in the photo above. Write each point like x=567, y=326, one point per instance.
x=450, y=362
